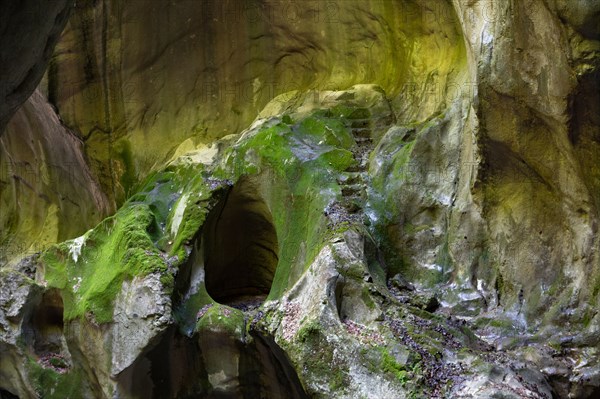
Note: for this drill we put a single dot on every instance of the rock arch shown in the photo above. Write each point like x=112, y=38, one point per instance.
x=240, y=246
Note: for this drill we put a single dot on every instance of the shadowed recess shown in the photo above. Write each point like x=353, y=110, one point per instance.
x=4, y=394
x=241, y=249
x=47, y=324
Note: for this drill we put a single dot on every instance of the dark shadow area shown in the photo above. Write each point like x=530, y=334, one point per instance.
x=240, y=247
x=47, y=324
x=30, y=30
x=172, y=369
x=176, y=368
x=595, y=393
x=43, y=332
x=4, y=394
x=266, y=372
x=584, y=129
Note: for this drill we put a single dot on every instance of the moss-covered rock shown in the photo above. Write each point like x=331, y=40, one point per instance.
x=312, y=299
x=408, y=236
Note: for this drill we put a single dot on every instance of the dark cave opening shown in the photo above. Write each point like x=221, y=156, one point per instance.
x=240, y=247
x=47, y=324
x=177, y=367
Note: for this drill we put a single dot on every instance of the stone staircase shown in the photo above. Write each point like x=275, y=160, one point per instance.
x=353, y=182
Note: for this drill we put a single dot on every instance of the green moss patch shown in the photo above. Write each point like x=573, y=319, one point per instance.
x=389, y=365
x=300, y=164
x=51, y=384
x=133, y=242
x=223, y=319
x=119, y=248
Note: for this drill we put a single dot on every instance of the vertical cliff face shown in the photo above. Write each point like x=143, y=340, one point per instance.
x=410, y=189
x=155, y=75
x=45, y=182
x=536, y=67
x=48, y=191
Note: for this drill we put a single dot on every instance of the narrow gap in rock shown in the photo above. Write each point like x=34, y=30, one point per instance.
x=339, y=297
x=240, y=248
x=172, y=369
x=266, y=371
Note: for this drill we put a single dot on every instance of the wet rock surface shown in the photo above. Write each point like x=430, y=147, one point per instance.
x=373, y=199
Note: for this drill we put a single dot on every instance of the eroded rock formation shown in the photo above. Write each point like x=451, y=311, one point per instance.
x=319, y=199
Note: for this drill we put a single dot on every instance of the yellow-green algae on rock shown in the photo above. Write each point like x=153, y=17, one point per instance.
x=309, y=166
x=114, y=83
x=126, y=92
x=466, y=184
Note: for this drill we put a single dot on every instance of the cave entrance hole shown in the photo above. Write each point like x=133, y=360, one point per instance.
x=47, y=324
x=240, y=248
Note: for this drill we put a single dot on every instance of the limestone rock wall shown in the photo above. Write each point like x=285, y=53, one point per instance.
x=150, y=75
x=535, y=64
x=457, y=144
x=47, y=191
